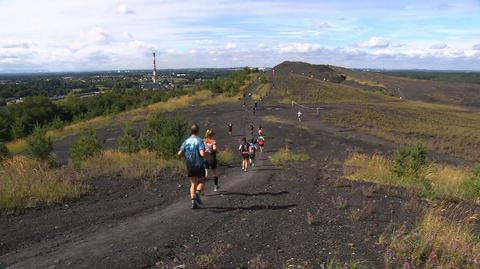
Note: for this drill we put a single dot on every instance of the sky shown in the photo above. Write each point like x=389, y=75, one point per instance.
x=80, y=35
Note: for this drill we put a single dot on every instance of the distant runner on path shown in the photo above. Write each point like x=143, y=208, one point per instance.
x=260, y=130
x=252, y=127
x=245, y=153
x=252, y=148
x=261, y=142
x=230, y=129
x=211, y=156
x=299, y=115
x=193, y=149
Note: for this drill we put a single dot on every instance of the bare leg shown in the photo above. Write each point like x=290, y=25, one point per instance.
x=193, y=187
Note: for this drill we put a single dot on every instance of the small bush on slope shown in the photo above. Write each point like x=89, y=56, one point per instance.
x=85, y=147
x=39, y=145
x=164, y=135
x=128, y=141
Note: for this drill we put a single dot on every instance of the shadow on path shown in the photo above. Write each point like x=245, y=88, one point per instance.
x=222, y=209
x=251, y=194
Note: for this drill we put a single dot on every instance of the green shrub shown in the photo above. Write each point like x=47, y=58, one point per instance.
x=164, y=135
x=39, y=145
x=470, y=186
x=128, y=141
x=85, y=147
x=408, y=161
x=4, y=152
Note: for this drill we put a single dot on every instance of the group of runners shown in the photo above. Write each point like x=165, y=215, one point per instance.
x=201, y=157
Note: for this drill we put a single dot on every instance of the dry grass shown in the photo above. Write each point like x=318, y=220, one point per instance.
x=262, y=91
x=436, y=242
x=226, y=157
x=284, y=155
x=444, y=181
x=219, y=99
x=17, y=146
x=143, y=165
x=308, y=90
x=444, y=129
x=209, y=260
x=26, y=183
x=278, y=120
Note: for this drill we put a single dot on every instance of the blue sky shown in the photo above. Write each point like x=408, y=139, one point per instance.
x=58, y=35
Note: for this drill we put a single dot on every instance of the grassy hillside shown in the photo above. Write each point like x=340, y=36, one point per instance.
x=303, y=89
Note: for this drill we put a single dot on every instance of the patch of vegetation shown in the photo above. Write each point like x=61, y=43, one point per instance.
x=4, y=152
x=459, y=77
x=409, y=161
x=26, y=182
x=39, y=145
x=431, y=180
x=436, y=242
x=209, y=260
x=142, y=165
x=128, y=141
x=164, y=135
x=284, y=155
x=87, y=146
x=226, y=157
x=470, y=186
x=231, y=85
x=278, y=120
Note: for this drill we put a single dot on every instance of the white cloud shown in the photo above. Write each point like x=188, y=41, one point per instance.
x=96, y=35
x=231, y=45
x=476, y=47
x=137, y=44
x=439, y=46
x=124, y=9
x=376, y=42
x=298, y=47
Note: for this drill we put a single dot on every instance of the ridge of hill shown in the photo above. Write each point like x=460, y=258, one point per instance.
x=328, y=76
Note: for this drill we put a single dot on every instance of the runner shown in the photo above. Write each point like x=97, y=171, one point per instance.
x=261, y=142
x=254, y=110
x=230, y=128
x=299, y=115
x=260, y=130
x=245, y=154
x=211, y=156
x=193, y=149
x=256, y=104
x=252, y=127
x=252, y=148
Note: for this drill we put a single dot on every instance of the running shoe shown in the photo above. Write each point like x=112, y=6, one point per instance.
x=197, y=198
x=194, y=204
x=216, y=188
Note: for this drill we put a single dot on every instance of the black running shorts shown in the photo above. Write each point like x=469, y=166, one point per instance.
x=211, y=162
x=196, y=172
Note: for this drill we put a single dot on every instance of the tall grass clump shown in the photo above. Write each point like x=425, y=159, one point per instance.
x=39, y=145
x=164, y=135
x=284, y=155
x=4, y=152
x=226, y=157
x=26, y=182
x=142, y=165
x=87, y=146
x=433, y=180
x=436, y=242
x=470, y=186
